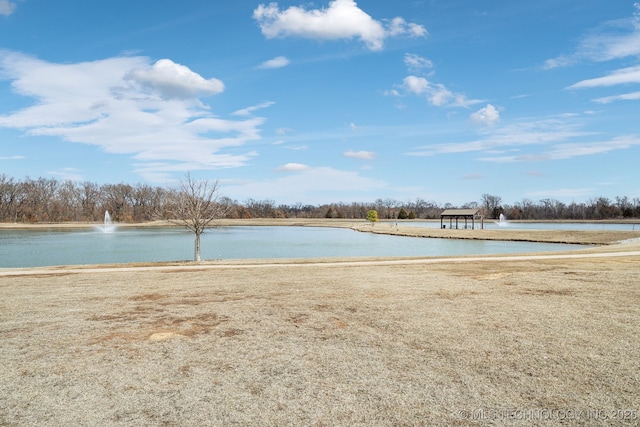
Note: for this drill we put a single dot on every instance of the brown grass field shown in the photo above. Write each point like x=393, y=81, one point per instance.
x=497, y=340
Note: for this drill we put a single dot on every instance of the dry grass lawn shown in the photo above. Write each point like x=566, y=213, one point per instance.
x=324, y=344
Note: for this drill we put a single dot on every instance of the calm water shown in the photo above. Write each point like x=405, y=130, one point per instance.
x=27, y=248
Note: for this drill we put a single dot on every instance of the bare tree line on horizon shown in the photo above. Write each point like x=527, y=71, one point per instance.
x=45, y=200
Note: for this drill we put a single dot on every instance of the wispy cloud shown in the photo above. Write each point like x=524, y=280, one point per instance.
x=611, y=40
x=277, y=62
x=343, y=19
x=283, y=131
x=570, y=150
x=68, y=174
x=249, y=110
x=399, y=27
x=436, y=94
x=7, y=7
x=296, y=147
x=128, y=105
x=617, y=77
x=623, y=76
x=292, y=167
x=633, y=96
x=310, y=185
x=525, y=139
x=416, y=63
x=361, y=155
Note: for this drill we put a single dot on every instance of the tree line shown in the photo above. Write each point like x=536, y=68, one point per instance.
x=51, y=200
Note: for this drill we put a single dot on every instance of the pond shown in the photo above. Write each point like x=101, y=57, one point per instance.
x=34, y=248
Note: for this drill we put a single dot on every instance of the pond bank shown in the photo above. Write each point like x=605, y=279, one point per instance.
x=404, y=228
x=396, y=228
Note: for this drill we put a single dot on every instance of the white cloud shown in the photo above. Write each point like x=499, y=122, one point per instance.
x=416, y=85
x=436, y=94
x=343, y=19
x=361, y=155
x=7, y=7
x=293, y=167
x=569, y=150
x=398, y=27
x=416, y=63
x=171, y=80
x=617, y=77
x=127, y=105
x=629, y=75
x=612, y=40
x=488, y=115
x=277, y=62
x=633, y=96
x=249, y=110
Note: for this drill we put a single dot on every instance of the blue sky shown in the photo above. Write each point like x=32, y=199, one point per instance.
x=327, y=101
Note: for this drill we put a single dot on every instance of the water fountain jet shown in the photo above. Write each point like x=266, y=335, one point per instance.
x=503, y=221
x=108, y=226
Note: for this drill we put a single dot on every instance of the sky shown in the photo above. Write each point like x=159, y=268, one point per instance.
x=326, y=101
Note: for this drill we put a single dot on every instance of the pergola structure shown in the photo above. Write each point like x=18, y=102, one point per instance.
x=467, y=214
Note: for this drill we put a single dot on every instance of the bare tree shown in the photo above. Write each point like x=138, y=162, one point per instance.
x=491, y=205
x=11, y=193
x=197, y=206
x=90, y=198
x=49, y=200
